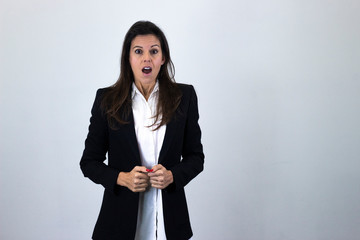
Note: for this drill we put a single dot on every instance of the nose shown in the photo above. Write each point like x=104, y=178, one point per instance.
x=147, y=57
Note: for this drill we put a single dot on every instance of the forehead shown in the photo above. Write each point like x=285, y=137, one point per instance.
x=145, y=41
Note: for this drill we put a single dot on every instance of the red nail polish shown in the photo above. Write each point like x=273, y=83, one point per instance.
x=149, y=170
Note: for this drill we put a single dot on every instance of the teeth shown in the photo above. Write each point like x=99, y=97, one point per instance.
x=146, y=70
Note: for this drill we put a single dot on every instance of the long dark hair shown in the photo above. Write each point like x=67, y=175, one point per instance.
x=116, y=102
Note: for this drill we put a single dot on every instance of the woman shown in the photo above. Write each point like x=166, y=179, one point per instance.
x=148, y=126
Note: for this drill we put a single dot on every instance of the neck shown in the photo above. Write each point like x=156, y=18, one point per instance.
x=145, y=89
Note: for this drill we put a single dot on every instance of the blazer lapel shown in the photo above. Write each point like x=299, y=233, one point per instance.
x=129, y=130
x=169, y=134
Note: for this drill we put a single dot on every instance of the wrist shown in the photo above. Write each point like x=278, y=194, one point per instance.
x=121, y=179
x=171, y=177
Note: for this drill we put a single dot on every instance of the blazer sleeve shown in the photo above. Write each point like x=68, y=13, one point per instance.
x=192, y=162
x=96, y=146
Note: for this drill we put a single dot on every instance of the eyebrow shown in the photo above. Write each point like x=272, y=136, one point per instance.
x=155, y=45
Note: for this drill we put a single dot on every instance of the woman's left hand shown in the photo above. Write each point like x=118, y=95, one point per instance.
x=160, y=177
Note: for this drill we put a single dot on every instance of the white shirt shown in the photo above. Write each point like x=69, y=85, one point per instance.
x=150, y=223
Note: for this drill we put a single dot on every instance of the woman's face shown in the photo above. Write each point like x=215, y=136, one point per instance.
x=145, y=59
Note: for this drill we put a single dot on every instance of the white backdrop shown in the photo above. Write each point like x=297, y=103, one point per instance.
x=278, y=84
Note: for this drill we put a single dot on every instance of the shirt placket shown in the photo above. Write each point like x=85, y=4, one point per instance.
x=150, y=121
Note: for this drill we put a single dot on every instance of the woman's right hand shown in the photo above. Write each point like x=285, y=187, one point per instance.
x=137, y=180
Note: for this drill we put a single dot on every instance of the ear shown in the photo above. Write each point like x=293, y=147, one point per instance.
x=163, y=61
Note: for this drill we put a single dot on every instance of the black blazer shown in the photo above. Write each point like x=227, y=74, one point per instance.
x=182, y=153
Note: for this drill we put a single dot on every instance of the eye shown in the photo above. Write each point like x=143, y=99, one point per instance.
x=138, y=51
x=154, y=51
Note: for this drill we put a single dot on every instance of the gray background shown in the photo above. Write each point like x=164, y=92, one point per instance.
x=278, y=85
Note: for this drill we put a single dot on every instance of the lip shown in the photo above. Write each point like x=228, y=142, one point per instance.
x=146, y=70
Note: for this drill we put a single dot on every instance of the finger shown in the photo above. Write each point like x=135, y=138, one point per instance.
x=157, y=171
x=158, y=186
x=140, y=169
x=156, y=175
x=140, y=186
x=155, y=184
x=142, y=189
x=138, y=181
x=158, y=167
x=141, y=175
x=153, y=181
x=157, y=180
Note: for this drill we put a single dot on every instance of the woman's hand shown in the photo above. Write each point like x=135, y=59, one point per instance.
x=160, y=177
x=137, y=180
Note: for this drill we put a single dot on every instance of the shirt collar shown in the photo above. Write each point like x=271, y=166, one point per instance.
x=135, y=90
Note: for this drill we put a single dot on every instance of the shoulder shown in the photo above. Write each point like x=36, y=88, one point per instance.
x=101, y=91
x=187, y=90
x=185, y=87
x=188, y=98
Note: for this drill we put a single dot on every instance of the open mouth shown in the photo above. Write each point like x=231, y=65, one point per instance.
x=146, y=70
